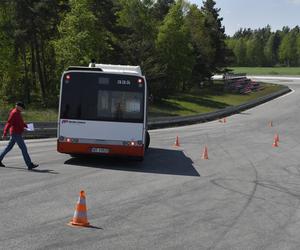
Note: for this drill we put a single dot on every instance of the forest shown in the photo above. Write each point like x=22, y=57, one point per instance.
x=178, y=45
x=264, y=48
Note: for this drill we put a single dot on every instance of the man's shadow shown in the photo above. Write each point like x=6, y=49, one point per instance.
x=47, y=171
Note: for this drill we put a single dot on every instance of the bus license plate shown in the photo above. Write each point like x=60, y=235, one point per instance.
x=100, y=150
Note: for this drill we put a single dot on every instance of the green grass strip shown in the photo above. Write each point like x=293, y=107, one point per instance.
x=288, y=71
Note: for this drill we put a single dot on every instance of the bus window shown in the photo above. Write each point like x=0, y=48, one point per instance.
x=90, y=97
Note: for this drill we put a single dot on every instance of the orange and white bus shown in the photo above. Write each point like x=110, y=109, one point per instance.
x=103, y=111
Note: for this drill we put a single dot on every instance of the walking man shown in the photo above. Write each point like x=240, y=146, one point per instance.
x=16, y=125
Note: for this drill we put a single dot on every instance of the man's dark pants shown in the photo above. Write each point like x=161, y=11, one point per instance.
x=16, y=138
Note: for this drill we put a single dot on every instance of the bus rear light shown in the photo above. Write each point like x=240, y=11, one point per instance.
x=68, y=77
x=73, y=140
x=132, y=143
x=140, y=80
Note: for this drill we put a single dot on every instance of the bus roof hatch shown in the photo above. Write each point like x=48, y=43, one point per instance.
x=118, y=68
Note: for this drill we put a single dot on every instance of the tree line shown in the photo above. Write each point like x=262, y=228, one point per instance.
x=178, y=45
x=262, y=47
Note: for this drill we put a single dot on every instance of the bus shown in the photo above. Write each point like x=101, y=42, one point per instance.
x=103, y=111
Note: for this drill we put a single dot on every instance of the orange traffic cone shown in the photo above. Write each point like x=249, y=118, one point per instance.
x=277, y=137
x=205, y=154
x=80, y=214
x=177, y=144
x=275, y=143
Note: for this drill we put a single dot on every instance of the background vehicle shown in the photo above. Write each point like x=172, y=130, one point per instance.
x=103, y=110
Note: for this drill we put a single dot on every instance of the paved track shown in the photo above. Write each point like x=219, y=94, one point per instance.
x=246, y=196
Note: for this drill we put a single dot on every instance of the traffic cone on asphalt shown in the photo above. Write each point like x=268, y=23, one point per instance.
x=80, y=214
x=275, y=143
x=177, y=144
x=205, y=154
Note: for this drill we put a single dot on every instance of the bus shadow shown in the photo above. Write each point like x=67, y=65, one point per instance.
x=157, y=160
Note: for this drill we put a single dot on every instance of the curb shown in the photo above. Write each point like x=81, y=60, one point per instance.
x=49, y=129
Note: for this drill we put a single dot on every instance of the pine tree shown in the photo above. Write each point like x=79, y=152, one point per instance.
x=216, y=36
x=161, y=8
x=82, y=37
x=175, y=51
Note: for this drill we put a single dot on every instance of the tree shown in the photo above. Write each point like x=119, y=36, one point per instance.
x=139, y=32
x=32, y=26
x=8, y=63
x=270, y=51
x=255, y=52
x=174, y=50
x=161, y=8
x=298, y=49
x=216, y=35
x=82, y=37
x=240, y=51
x=288, y=50
x=105, y=12
x=202, y=48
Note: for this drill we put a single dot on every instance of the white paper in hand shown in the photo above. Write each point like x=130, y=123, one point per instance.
x=30, y=127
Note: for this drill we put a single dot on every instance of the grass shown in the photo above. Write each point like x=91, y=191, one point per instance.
x=41, y=115
x=267, y=70
x=205, y=100
x=198, y=102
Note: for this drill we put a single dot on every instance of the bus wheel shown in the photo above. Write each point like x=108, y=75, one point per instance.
x=147, y=140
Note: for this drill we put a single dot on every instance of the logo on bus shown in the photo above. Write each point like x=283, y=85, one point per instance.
x=72, y=122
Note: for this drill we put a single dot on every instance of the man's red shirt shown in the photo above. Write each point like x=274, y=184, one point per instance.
x=15, y=123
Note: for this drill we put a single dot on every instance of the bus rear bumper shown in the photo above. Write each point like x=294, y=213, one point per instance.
x=96, y=149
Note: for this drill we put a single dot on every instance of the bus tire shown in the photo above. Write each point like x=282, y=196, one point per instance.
x=147, y=143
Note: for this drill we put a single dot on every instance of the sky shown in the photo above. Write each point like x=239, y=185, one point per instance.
x=256, y=14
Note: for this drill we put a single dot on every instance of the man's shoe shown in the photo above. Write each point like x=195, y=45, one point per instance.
x=32, y=166
x=2, y=165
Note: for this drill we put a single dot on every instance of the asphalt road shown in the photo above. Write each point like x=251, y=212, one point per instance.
x=246, y=196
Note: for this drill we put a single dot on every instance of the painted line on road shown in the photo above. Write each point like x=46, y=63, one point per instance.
x=291, y=92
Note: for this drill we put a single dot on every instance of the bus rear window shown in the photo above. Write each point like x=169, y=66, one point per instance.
x=88, y=96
